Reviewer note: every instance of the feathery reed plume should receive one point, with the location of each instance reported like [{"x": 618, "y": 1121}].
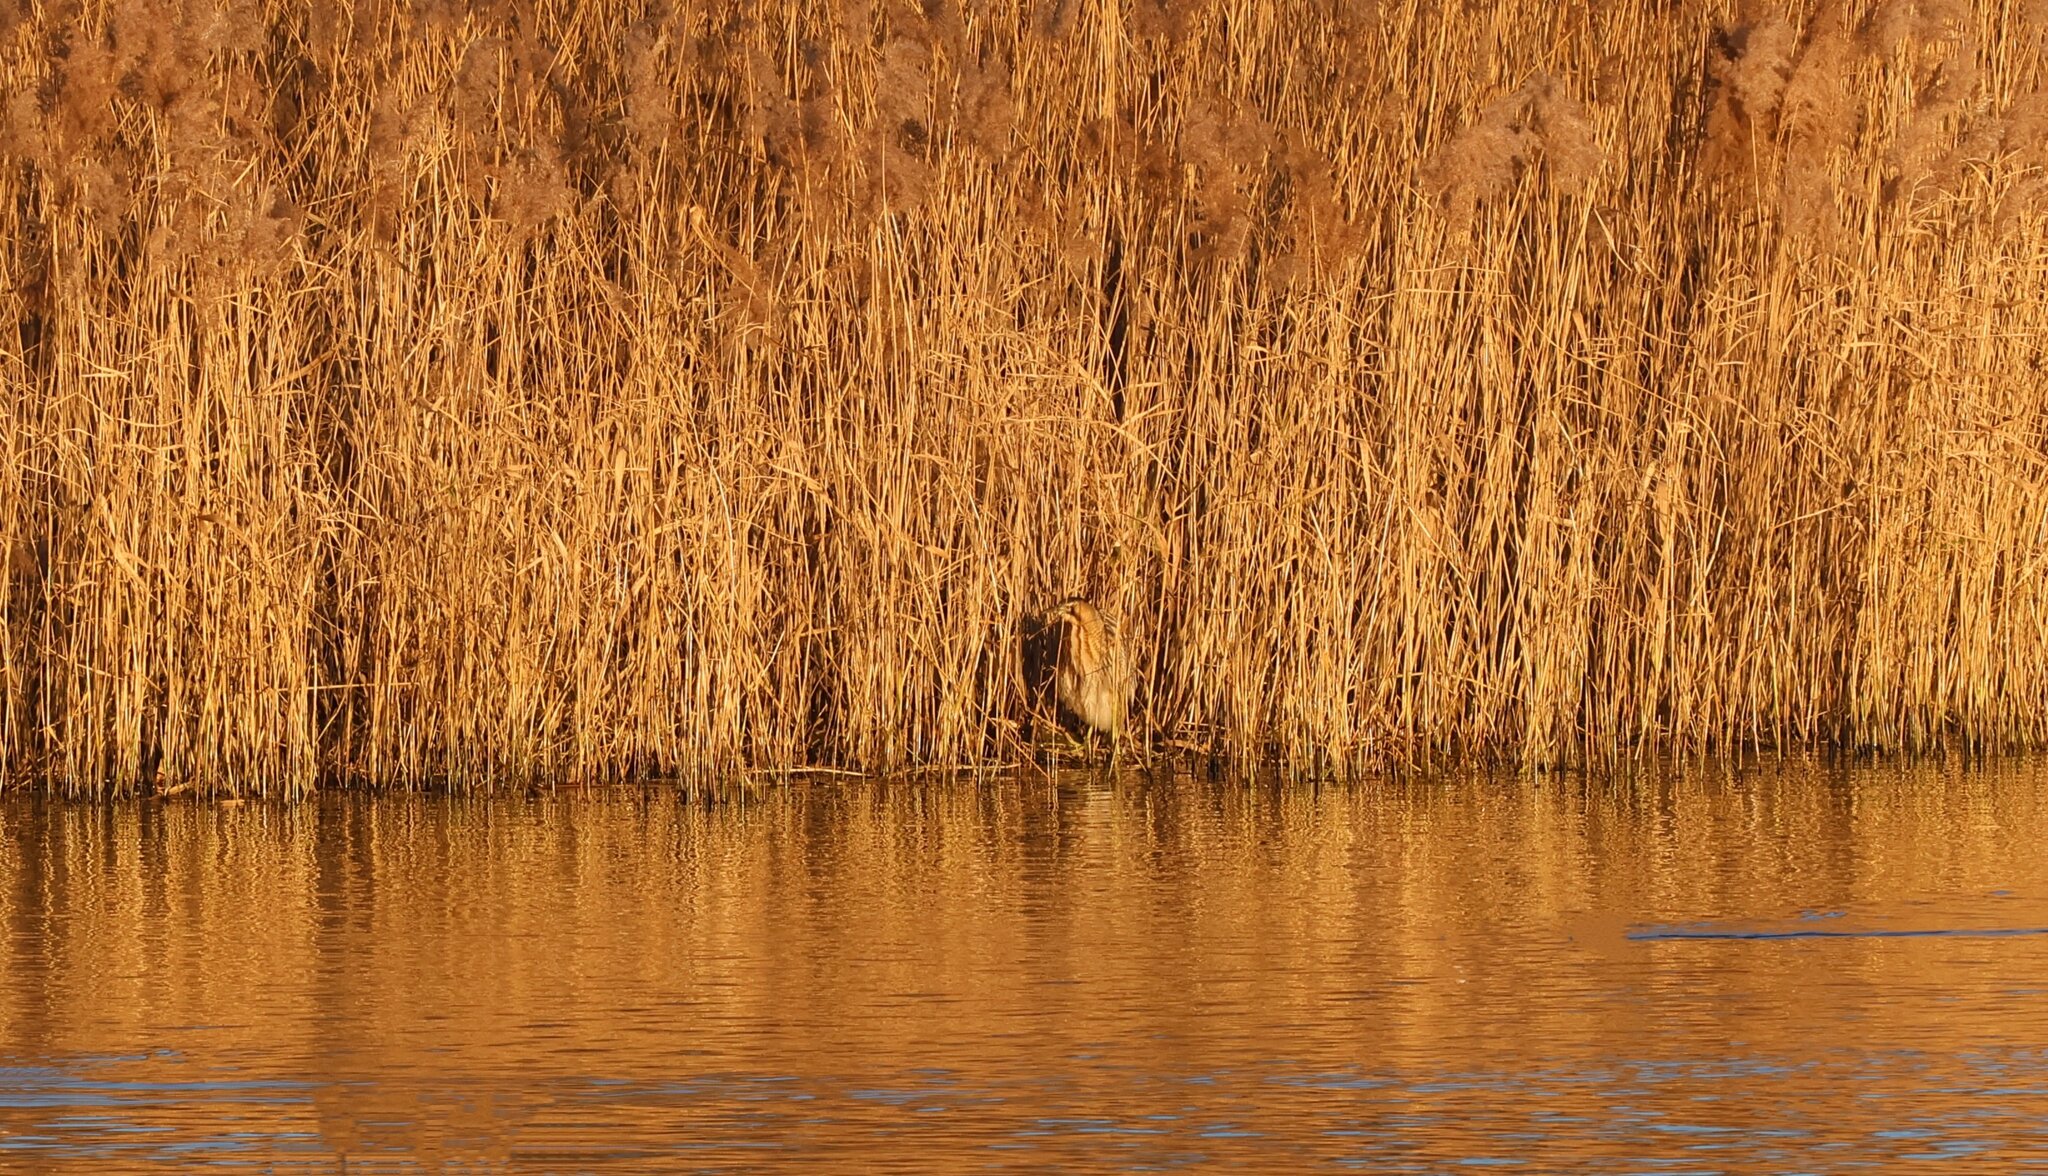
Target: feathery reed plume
[
  {"x": 1932, "y": 146},
  {"x": 1750, "y": 66},
  {"x": 987, "y": 109},
  {"x": 1537, "y": 123},
  {"x": 899, "y": 173},
  {"x": 650, "y": 103},
  {"x": 1814, "y": 119}
]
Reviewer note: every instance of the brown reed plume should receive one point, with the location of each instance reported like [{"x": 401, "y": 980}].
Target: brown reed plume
[{"x": 438, "y": 395}]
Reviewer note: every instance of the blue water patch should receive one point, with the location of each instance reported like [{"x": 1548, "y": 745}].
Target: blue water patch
[
  {"x": 1657, "y": 932},
  {"x": 31, "y": 1087}
]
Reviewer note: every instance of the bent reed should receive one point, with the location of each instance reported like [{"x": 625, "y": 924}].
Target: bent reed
[{"x": 422, "y": 395}]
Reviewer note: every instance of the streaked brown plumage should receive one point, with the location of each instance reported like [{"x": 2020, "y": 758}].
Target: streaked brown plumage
[{"x": 1091, "y": 670}]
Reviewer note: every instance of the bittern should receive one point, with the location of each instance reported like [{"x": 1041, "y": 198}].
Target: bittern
[{"x": 1091, "y": 670}]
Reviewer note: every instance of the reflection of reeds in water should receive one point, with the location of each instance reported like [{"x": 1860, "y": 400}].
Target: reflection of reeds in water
[
  {"x": 1036, "y": 922},
  {"x": 417, "y": 393}
]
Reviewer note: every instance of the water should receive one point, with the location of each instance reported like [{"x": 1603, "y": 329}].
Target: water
[{"x": 1785, "y": 970}]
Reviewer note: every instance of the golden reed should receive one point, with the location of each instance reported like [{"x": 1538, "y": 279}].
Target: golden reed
[{"x": 418, "y": 394}]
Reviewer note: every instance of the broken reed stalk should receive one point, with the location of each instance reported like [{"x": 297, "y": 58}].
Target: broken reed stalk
[{"x": 422, "y": 395}]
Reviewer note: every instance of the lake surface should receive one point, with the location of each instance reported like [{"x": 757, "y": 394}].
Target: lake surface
[{"x": 1782, "y": 969}]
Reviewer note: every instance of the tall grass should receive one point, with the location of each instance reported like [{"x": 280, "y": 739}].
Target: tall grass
[{"x": 572, "y": 391}]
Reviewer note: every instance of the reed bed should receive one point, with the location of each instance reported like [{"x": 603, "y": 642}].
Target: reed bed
[{"x": 440, "y": 395}]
